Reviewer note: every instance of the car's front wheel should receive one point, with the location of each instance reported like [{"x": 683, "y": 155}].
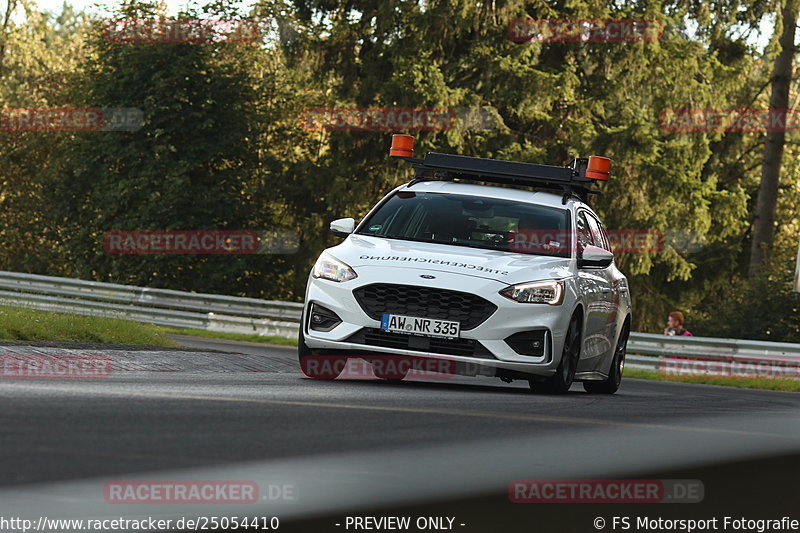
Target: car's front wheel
[
  {"x": 612, "y": 382},
  {"x": 318, "y": 366},
  {"x": 561, "y": 381}
]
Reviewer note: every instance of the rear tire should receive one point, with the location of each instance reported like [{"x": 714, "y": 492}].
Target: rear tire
[
  {"x": 561, "y": 381},
  {"x": 612, "y": 382},
  {"x": 318, "y": 366}
]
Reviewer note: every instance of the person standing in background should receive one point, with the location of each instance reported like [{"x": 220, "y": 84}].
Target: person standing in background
[{"x": 675, "y": 325}]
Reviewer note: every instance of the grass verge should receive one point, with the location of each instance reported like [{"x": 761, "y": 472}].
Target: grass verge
[
  {"x": 264, "y": 339},
  {"x": 20, "y": 324},
  {"x": 786, "y": 385}
]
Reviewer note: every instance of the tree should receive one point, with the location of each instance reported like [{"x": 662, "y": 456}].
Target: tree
[
  {"x": 41, "y": 55},
  {"x": 764, "y": 219},
  {"x": 193, "y": 165},
  {"x": 5, "y": 26},
  {"x": 553, "y": 100}
]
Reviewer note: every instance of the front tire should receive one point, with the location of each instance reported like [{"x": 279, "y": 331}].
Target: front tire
[
  {"x": 561, "y": 381},
  {"x": 318, "y": 366},
  {"x": 612, "y": 382}
]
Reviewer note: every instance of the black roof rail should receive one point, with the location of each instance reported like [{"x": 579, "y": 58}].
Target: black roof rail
[{"x": 571, "y": 180}]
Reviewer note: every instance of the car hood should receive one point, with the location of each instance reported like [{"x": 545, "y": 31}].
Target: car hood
[{"x": 362, "y": 251}]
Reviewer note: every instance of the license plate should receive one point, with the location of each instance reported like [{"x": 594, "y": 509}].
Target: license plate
[{"x": 428, "y": 327}]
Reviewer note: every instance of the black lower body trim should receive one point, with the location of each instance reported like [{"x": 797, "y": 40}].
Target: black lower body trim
[{"x": 462, "y": 347}]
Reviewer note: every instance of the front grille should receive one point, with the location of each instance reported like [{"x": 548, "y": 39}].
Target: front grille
[
  {"x": 424, "y": 302},
  {"x": 377, "y": 337}
]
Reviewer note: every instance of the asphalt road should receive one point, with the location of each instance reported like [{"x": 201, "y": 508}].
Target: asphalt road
[{"x": 352, "y": 445}]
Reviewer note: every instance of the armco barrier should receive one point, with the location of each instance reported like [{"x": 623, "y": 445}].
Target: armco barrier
[
  {"x": 214, "y": 312},
  {"x": 648, "y": 351}
]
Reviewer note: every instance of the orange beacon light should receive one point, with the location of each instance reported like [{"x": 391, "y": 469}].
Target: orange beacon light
[
  {"x": 598, "y": 168},
  {"x": 402, "y": 145}
]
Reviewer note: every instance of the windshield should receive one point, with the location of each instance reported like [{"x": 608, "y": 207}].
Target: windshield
[{"x": 472, "y": 221}]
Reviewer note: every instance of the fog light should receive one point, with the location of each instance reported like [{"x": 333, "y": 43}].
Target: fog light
[
  {"x": 322, "y": 319},
  {"x": 528, "y": 342}
]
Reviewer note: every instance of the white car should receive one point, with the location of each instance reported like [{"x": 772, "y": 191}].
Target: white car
[{"x": 482, "y": 279}]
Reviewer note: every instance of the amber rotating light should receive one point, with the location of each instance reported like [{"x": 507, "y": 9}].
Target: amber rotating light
[
  {"x": 402, "y": 145},
  {"x": 598, "y": 168}
]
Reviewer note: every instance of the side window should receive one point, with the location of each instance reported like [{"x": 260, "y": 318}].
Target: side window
[
  {"x": 598, "y": 233},
  {"x": 605, "y": 237},
  {"x": 584, "y": 232}
]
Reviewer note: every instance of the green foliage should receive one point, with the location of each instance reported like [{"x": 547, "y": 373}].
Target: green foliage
[
  {"x": 555, "y": 101},
  {"x": 194, "y": 164},
  {"x": 763, "y": 307},
  {"x": 222, "y": 146},
  {"x": 38, "y": 68}
]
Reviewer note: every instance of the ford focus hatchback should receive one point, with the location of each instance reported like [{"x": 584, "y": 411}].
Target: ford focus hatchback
[{"x": 452, "y": 277}]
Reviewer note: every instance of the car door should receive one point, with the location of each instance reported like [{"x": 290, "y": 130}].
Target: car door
[
  {"x": 591, "y": 283},
  {"x": 608, "y": 301}
]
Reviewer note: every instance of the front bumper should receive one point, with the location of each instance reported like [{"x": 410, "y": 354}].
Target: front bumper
[{"x": 482, "y": 348}]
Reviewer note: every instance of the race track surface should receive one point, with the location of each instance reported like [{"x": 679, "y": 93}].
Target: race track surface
[{"x": 233, "y": 410}]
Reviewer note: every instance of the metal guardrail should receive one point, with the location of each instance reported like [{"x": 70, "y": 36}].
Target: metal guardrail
[
  {"x": 214, "y": 312},
  {"x": 713, "y": 356},
  {"x": 710, "y": 347}
]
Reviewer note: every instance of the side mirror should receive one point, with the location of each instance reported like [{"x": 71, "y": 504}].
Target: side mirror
[
  {"x": 595, "y": 257},
  {"x": 343, "y": 226}
]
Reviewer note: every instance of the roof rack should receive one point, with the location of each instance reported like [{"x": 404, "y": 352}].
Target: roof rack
[{"x": 574, "y": 179}]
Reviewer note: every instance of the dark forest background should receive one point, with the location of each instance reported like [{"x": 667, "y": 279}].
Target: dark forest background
[{"x": 223, "y": 146}]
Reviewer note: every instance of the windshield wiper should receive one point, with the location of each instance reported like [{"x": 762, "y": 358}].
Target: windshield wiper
[
  {"x": 478, "y": 247},
  {"x": 411, "y": 239}
]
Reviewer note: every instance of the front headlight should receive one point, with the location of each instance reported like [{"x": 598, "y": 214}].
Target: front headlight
[
  {"x": 539, "y": 292},
  {"x": 328, "y": 267}
]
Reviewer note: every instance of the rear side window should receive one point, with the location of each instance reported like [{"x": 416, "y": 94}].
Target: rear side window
[
  {"x": 599, "y": 236},
  {"x": 583, "y": 232}
]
